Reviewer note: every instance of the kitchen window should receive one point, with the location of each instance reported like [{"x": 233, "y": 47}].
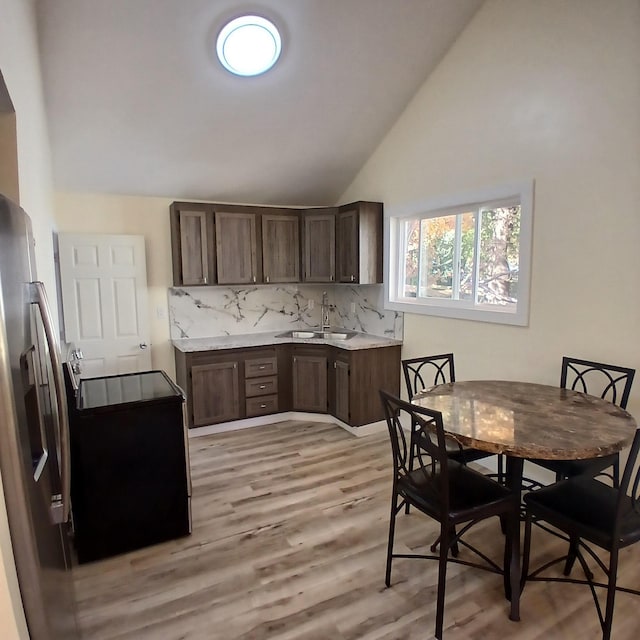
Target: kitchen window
[{"x": 466, "y": 257}]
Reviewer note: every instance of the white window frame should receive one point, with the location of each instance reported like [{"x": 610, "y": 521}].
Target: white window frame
[{"x": 520, "y": 192}]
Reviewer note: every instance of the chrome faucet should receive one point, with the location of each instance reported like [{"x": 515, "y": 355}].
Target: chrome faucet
[{"x": 326, "y": 324}]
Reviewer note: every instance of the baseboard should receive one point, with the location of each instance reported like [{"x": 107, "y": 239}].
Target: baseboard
[{"x": 249, "y": 423}]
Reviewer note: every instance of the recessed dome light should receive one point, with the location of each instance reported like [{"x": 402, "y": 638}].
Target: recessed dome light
[{"x": 248, "y": 46}]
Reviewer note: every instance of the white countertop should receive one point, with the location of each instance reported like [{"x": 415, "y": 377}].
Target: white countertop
[{"x": 268, "y": 338}]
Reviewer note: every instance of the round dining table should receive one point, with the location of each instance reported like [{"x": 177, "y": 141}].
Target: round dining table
[{"x": 527, "y": 420}]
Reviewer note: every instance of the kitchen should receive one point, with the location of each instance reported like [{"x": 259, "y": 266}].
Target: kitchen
[{"x": 566, "y": 86}]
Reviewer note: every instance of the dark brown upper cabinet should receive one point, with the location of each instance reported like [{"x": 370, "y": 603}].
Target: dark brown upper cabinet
[
  {"x": 193, "y": 244},
  {"x": 359, "y": 242},
  {"x": 281, "y": 247},
  {"x": 222, "y": 244},
  {"x": 237, "y": 247},
  {"x": 319, "y": 245}
]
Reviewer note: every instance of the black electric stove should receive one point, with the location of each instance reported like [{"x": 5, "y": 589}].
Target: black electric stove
[{"x": 130, "y": 481}]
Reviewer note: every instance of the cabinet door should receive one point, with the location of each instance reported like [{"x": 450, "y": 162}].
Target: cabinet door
[
  {"x": 310, "y": 383},
  {"x": 281, "y": 248},
  {"x": 347, "y": 223},
  {"x": 319, "y": 247},
  {"x": 359, "y": 241},
  {"x": 214, "y": 389},
  {"x": 341, "y": 381},
  {"x": 192, "y": 244},
  {"x": 236, "y": 247}
]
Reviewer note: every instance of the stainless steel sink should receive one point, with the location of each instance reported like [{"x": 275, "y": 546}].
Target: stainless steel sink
[
  {"x": 317, "y": 335},
  {"x": 338, "y": 335},
  {"x": 299, "y": 334}
]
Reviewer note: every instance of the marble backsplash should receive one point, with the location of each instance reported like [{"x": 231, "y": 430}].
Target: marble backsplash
[{"x": 202, "y": 312}]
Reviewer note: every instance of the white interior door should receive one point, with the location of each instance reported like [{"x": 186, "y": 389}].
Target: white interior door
[{"x": 104, "y": 301}]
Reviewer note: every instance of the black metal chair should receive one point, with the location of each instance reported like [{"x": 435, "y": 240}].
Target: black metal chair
[
  {"x": 607, "y": 381},
  {"x": 447, "y": 491},
  {"x": 427, "y": 371},
  {"x": 587, "y": 510}
]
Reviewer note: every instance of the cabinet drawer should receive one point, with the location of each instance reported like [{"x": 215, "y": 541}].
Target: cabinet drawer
[
  {"x": 261, "y": 406},
  {"x": 260, "y": 386},
  {"x": 257, "y": 367}
]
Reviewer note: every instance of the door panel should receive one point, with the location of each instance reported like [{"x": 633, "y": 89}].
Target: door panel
[
  {"x": 281, "y": 248},
  {"x": 215, "y": 392},
  {"x": 236, "y": 243},
  {"x": 310, "y": 383},
  {"x": 319, "y": 247},
  {"x": 193, "y": 242},
  {"x": 104, "y": 299},
  {"x": 342, "y": 390}
]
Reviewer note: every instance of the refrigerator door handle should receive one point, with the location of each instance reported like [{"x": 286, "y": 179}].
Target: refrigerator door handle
[{"x": 60, "y": 503}]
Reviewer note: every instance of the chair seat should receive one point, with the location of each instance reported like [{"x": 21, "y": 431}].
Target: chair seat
[
  {"x": 570, "y": 468},
  {"x": 585, "y": 507},
  {"x": 468, "y": 491}
]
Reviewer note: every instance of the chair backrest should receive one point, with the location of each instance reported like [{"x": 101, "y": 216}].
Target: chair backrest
[
  {"x": 421, "y": 373},
  {"x": 432, "y": 471},
  {"x": 609, "y": 381},
  {"x": 629, "y": 485}
]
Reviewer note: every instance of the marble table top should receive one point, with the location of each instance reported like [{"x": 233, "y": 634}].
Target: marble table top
[{"x": 529, "y": 420}]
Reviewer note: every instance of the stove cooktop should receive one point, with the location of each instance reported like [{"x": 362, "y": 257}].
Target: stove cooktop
[{"x": 127, "y": 388}]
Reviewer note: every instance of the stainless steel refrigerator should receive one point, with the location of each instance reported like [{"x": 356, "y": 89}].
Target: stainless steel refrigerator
[{"x": 34, "y": 437}]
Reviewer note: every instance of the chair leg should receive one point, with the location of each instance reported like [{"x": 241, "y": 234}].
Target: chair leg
[
  {"x": 442, "y": 578},
  {"x": 411, "y": 456},
  {"x": 611, "y": 594},
  {"x": 526, "y": 551},
  {"x": 392, "y": 530},
  {"x": 571, "y": 555},
  {"x": 501, "y": 476}
]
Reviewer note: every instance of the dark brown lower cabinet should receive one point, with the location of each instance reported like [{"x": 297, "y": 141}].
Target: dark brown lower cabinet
[
  {"x": 309, "y": 373},
  {"x": 341, "y": 390},
  {"x": 230, "y": 384},
  {"x": 369, "y": 371},
  {"x": 214, "y": 391},
  {"x": 227, "y": 385}
]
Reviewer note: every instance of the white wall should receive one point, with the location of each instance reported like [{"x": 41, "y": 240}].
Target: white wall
[
  {"x": 546, "y": 90},
  {"x": 149, "y": 217},
  {"x": 21, "y": 71}
]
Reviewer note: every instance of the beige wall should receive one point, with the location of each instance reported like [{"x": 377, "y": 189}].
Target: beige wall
[
  {"x": 546, "y": 90},
  {"x": 9, "y": 156},
  {"x": 21, "y": 71},
  {"x": 98, "y": 213}
]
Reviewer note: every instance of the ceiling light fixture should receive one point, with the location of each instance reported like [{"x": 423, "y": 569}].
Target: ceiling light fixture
[{"x": 248, "y": 46}]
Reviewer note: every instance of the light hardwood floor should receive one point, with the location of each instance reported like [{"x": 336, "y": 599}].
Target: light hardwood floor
[{"x": 289, "y": 535}]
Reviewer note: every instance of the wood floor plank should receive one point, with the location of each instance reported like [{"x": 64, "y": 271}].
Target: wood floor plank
[{"x": 289, "y": 541}]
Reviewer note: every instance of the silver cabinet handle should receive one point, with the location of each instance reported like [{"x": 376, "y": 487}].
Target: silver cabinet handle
[
  {"x": 262, "y": 386},
  {"x": 263, "y": 406},
  {"x": 59, "y": 502}
]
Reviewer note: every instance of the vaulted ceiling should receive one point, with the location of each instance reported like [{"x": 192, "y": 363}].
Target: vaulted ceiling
[{"x": 138, "y": 104}]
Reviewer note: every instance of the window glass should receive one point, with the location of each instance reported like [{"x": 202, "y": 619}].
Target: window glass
[{"x": 463, "y": 260}]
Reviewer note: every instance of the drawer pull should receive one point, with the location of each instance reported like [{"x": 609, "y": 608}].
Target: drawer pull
[
  {"x": 262, "y": 386},
  {"x": 263, "y": 406},
  {"x": 262, "y": 366}
]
